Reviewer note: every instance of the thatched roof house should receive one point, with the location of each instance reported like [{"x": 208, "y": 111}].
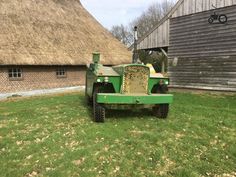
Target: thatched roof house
[{"x": 53, "y": 33}]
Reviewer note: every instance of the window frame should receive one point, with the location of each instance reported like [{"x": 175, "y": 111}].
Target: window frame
[
  {"x": 60, "y": 71},
  {"x": 11, "y": 72}
]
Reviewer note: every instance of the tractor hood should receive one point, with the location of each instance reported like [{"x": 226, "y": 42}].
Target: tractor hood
[{"x": 106, "y": 71}]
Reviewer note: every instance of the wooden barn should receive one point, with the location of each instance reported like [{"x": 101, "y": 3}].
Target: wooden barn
[
  {"x": 205, "y": 52},
  {"x": 47, "y": 44}
]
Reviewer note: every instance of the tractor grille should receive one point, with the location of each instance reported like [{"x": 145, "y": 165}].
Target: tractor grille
[{"x": 135, "y": 79}]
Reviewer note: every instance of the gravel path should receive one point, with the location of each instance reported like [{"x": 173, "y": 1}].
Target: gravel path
[{"x": 40, "y": 92}]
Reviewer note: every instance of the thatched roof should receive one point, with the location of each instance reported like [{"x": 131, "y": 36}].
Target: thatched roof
[{"x": 54, "y": 32}]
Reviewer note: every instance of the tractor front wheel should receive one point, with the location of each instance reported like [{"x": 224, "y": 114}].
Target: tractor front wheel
[
  {"x": 98, "y": 110},
  {"x": 88, "y": 100},
  {"x": 161, "y": 110}
]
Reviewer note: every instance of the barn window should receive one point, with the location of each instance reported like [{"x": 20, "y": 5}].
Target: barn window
[
  {"x": 15, "y": 73},
  {"x": 61, "y": 72}
]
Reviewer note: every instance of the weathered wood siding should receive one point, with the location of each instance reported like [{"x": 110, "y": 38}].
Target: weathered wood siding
[
  {"x": 159, "y": 35},
  {"x": 206, "y": 52},
  {"x": 187, "y": 7},
  {"x": 157, "y": 38}
]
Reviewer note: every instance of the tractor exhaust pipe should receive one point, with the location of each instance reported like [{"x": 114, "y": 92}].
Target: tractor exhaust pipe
[{"x": 135, "y": 51}]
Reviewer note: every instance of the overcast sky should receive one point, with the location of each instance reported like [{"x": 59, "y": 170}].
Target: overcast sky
[{"x": 116, "y": 12}]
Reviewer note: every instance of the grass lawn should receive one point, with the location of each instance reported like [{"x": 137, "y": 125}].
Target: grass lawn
[{"x": 54, "y": 136}]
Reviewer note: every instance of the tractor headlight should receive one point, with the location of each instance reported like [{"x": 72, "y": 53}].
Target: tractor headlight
[
  {"x": 166, "y": 82},
  {"x": 106, "y": 79}
]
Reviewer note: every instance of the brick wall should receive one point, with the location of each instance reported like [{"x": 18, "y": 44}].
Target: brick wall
[{"x": 41, "y": 77}]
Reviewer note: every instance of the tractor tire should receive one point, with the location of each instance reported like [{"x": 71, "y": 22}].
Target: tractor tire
[
  {"x": 88, "y": 100},
  {"x": 160, "y": 89},
  {"x": 223, "y": 19},
  {"x": 210, "y": 20},
  {"x": 98, "y": 110},
  {"x": 163, "y": 89},
  {"x": 161, "y": 111}
]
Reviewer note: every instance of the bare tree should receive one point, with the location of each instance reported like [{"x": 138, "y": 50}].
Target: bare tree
[
  {"x": 152, "y": 16},
  {"x": 122, "y": 34},
  {"x": 145, "y": 22}
]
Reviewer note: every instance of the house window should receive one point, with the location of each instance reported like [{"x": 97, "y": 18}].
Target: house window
[
  {"x": 15, "y": 74},
  {"x": 61, "y": 72}
]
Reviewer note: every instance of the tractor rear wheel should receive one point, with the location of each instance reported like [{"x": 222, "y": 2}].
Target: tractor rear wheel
[
  {"x": 161, "y": 110},
  {"x": 98, "y": 110},
  {"x": 223, "y": 18}
]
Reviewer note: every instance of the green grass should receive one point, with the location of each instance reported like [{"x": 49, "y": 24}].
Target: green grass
[{"x": 54, "y": 136}]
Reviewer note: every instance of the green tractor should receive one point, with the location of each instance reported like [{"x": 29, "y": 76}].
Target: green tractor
[{"x": 130, "y": 86}]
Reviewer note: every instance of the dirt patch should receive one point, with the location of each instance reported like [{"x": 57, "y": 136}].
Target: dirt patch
[
  {"x": 169, "y": 164},
  {"x": 78, "y": 162}
]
